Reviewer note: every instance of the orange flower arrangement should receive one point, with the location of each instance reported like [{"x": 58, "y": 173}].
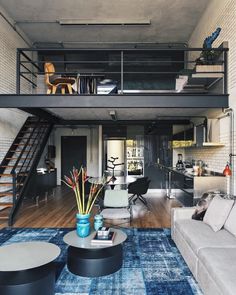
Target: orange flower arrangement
[{"x": 84, "y": 205}]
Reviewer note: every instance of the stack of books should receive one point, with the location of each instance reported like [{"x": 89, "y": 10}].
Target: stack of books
[{"x": 104, "y": 236}]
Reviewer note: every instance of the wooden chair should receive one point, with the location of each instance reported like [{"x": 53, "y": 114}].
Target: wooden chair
[{"x": 52, "y": 84}]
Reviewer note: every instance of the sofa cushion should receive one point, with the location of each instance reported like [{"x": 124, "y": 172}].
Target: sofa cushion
[
  {"x": 230, "y": 224},
  {"x": 218, "y": 212},
  {"x": 218, "y": 262},
  {"x": 199, "y": 235}
]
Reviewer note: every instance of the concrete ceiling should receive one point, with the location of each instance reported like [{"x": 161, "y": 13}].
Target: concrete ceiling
[
  {"x": 171, "y": 21},
  {"x": 132, "y": 113}
]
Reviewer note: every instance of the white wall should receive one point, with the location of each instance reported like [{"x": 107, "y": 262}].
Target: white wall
[
  {"x": 11, "y": 120},
  {"x": 9, "y": 42},
  {"x": 92, "y": 148},
  {"x": 218, "y": 14}
]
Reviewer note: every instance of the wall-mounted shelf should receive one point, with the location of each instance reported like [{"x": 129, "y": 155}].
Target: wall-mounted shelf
[
  {"x": 213, "y": 144},
  {"x": 204, "y": 145}
]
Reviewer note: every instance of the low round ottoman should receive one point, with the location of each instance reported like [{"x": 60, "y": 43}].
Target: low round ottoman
[
  {"x": 27, "y": 268},
  {"x": 88, "y": 260}
]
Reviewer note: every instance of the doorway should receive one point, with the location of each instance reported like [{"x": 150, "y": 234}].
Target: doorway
[{"x": 73, "y": 153}]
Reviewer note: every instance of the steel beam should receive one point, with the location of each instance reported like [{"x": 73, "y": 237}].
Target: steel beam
[{"x": 175, "y": 100}]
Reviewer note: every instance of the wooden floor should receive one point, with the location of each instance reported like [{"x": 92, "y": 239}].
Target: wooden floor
[{"x": 59, "y": 211}]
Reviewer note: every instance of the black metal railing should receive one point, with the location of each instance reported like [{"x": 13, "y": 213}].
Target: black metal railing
[
  {"x": 28, "y": 157},
  {"x": 121, "y": 71}
]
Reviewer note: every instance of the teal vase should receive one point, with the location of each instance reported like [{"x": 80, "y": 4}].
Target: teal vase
[{"x": 82, "y": 225}]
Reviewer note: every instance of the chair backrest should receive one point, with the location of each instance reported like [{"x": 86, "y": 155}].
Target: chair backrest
[
  {"x": 49, "y": 70},
  {"x": 116, "y": 198},
  {"x": 140, "y": 186}
]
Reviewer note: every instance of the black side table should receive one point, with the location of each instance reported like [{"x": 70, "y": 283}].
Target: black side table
[
  {"x": 27, "y": 268},
  {"x": 89, "y": 260}
]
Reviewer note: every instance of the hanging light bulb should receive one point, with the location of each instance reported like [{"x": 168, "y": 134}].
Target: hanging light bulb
[{"x": 227, "y": 171}]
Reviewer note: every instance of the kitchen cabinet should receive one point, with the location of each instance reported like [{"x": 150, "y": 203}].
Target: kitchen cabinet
[{"x": 193, "y": 186}]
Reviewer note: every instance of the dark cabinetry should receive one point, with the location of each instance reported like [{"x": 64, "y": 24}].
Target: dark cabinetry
[{"x": 184, "y": 135}]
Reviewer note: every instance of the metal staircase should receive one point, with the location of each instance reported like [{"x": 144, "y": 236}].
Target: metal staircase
[{"x": 19, "y": 163}]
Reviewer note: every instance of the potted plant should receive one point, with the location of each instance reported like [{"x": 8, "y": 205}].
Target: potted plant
[{"x": 76, "y": 182}]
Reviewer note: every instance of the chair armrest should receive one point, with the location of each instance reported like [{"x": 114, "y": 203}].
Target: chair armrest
[{"x": 180, "y": 213}]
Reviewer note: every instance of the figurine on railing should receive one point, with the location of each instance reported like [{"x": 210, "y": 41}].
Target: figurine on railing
[
  {"x": 209, "y": 56},
  {"x": 114, "y": 165}
]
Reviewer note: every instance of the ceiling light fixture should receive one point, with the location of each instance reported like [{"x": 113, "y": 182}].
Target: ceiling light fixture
[
  {"x": 105, "y": 21},
  {"x": 113, "y": 115}
]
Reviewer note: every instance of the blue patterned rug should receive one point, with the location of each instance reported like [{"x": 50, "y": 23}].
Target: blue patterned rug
[{"x": 152, "y": 264}]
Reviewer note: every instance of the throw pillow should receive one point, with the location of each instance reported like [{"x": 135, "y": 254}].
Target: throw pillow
[
  {"x": 230, "y": 224},
  {"x": 218, "y": 212},
  {"x": 203, "y": 204}
]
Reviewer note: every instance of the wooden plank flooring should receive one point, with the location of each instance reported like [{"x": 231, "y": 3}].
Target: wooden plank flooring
[{"x": 60, "y": 210}]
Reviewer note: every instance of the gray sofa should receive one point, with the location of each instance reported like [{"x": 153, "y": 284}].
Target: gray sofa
[{"x": 211, "y": 256}]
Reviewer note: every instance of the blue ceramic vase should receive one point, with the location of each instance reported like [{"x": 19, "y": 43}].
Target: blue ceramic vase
[
  {"x": 82, "y": 225},
  {"x": 98, "y": 221}
]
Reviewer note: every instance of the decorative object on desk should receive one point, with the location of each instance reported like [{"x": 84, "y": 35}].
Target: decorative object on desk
[
  {"x": 114, "y": 165},
  {"x": 77, "y": 183},
  {"x": 103, "y": 240},
  {"x": 103, "y": 231},
  {"x": 83, "y": 225},
  {"x": 98, "y": 222},
  {"x": 209, "y": 56},
  {"x": 180, "y": 164},
  {"x": 227, "y": 171}
]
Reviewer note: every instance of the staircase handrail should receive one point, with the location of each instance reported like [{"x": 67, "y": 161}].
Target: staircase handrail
[{"x": 24, "y": 147}]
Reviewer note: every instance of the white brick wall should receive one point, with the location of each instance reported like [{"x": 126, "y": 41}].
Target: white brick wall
[
  {"x": 11, "y": 120},
  {"x": 218, "y": 14},
  {"x": 9, "y": 127},
  {"x": 9, "y": 42}
]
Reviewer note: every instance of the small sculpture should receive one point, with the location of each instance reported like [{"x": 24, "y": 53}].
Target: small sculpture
[
  {"x": 209, "y": 56},
  {"x": 112, "y": 161}
]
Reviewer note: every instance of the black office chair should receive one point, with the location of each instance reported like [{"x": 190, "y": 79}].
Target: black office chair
[{"x": 139, "y": 188}]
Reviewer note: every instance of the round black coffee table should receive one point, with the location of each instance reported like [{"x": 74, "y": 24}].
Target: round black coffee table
[
  {"x": 88, "y": 260},
  {"x": 27, "y": 268}
]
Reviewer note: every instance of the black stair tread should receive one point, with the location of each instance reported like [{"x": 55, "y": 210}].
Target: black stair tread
[
  {"x": 31, "y": 132},
  {"x": 3, "y": 194},
  {"x": 17, "y": 158},
  {"x": 19, "y": 152},
  {"x": 9, "y": 183},
  {"x": 36, "y": 125},
  {"x": 4, "y": 217},
  {"x": 26, "y": 137},
  {"x": 8, "y": 204},
  {"x": 6, "y": 166},
  {"x": 28, "y": 144}
]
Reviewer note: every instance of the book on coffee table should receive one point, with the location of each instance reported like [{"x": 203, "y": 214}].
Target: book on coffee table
[{"x": 103, "y": 240}]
